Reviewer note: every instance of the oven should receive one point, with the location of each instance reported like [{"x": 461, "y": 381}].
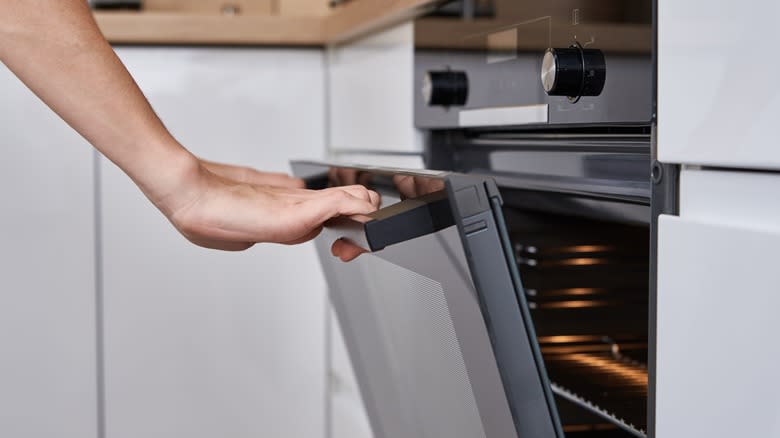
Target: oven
[
  {"x": 493, "y": 304},
  {"x": 509, "y": 291},
  {"x": 579, "y": 211}
]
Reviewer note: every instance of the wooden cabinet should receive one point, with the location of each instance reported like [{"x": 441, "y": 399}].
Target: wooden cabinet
[
  {"x": 243, "y": 7},
  {"x": 252, "y": 7},
  {"x": 48, "y": 380}
]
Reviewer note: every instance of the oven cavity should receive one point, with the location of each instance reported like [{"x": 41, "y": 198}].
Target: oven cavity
[{"x": 586, "y": 284}]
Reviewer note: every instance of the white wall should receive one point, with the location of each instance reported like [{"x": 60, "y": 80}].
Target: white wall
[
  {"x": 202, "y": 343},
  {"x": 47, "y": 276}
]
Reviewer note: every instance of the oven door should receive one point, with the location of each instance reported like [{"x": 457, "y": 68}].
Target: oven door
[{"x": 433, "y": 314}]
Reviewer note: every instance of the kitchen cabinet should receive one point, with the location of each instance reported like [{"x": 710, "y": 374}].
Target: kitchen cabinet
[
  {"x": 313, "y": 23},
  {"x": 717, "y": 325},
  {"x": 371, "y": 107},
  {"x": 717, "y": 277},
  {"x": 709, "y": 111},
  {"x": 201, "y": 343},
  {"x": 717, "y": 299},
  {"x": 48, "y": 383}
]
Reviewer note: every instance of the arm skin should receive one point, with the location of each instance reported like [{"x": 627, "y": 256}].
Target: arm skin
[{"x": 57, "y": 50}]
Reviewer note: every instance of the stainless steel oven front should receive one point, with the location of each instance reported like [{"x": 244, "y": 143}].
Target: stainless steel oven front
[{"x": 488, "y": 63}]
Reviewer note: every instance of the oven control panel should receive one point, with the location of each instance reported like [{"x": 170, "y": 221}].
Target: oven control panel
[{"x": 517, "y": 63}]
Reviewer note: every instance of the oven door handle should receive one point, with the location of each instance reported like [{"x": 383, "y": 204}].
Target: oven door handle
[{"x": 397, "y": 223}]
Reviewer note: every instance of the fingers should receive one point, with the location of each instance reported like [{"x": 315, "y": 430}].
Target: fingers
[
  {"x": 311, "y": 235},
  {"x": 344, "y": 203},
  {"x": 346, "y": 250},
  {"x": 360, "y": 192},
  {"x": 232, "y": 216},
  {"x": 375, "y": 198}
]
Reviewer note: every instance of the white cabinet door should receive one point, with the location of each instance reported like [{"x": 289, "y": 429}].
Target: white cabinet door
[
  {"x": 201, "y": 343},
  {"x": 717, "y": 74},
  {"x": 371, "y": 106},
  {"x": 718, "y": 353},
  {"x": 47, "y": 272},
  {"x": 718, "y": 295}
]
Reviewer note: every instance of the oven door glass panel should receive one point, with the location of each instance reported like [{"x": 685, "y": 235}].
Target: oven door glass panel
[{"x": 436, "y": 328}]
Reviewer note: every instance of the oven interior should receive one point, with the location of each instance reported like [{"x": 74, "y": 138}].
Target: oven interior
[
  {"x": 586, "y": 284},
  {"x": 577, "y": 208}
]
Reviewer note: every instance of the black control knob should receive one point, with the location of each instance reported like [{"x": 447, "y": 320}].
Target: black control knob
[
  {"x": 445, "y": 88},
  {"x": 573, "y": 72}
]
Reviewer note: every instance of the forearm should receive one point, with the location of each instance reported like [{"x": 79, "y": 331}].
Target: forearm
[{"x": 56, "y": 49}]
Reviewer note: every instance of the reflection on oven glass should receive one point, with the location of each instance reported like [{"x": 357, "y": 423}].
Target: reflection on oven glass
[
  {"x": 400, "y": 185},
  {"x": 537, "y": 25}
]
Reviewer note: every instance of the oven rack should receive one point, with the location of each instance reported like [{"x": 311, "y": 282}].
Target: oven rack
[{"x": 597, "y": 410}]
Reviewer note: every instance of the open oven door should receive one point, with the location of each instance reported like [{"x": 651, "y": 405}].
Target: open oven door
[{"x": 434, "y": 316}]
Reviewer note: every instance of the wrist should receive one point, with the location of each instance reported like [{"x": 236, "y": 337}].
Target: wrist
[{"x": 171, "y": 178}]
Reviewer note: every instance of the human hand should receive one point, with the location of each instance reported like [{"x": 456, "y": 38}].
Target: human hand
[
  {"x": 217, "y": 212},
  {"x": 242, "y": 174},
  {"x": 339, "y": 177},
  {"x": 346, "y": 250},
  {"x": 408, "y": 187}
]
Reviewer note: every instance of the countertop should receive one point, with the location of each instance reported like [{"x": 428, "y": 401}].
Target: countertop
[{"x": 352, "y": 20}]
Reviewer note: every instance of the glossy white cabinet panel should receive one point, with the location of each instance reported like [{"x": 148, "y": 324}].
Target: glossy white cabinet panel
[
  {"x": 741, "y": 199},
  {"x": 371, "y": 106},
  {"x": 717, "y": 74},
  {"x": 718, "y": 355},
  {"x": 47, "y": 272},
  {"x": 202, "y": 343}
]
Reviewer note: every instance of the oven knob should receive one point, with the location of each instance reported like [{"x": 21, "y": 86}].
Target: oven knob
[
  {"x": 573, "y": 72},
  {"x": 445, "y": 88}
]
